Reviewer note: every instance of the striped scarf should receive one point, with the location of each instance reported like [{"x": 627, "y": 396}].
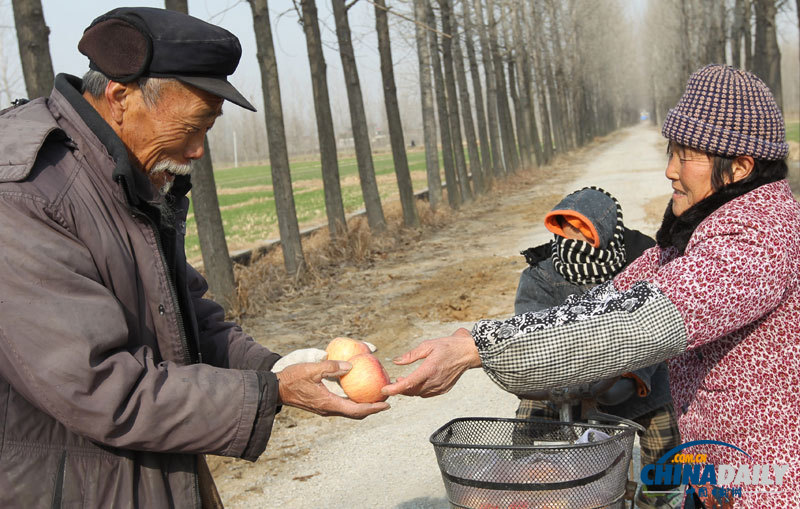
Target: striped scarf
[{"x": 581, "y": 263}]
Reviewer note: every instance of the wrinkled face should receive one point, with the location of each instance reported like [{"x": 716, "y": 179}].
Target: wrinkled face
[
  {"x": 164, "y": 138},
  {"x": 690, "y": 173}
]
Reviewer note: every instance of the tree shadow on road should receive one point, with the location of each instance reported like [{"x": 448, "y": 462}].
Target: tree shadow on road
[{"x": 424, "y": 503}]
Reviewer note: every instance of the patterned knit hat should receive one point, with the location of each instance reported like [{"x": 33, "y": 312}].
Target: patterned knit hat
[{"x": 729, "y": 112}]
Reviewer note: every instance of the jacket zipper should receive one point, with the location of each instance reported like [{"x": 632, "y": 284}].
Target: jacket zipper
[
  {"x": 176, "y": 305},
  {"x": 59, "y": 487},
  {"x": 172, "y": 290},
  {"x": 173, "y": 293},
  {"x": 181, "y": 329}
]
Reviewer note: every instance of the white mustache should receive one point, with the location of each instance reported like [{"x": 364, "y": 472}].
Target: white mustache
[{"x": 171, "y": 167}]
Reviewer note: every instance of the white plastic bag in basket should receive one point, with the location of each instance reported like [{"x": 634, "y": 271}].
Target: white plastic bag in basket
[{"x": 592, "y": 435}]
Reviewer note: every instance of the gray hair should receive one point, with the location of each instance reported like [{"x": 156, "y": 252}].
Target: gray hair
[{"x": 96, "y": 82}]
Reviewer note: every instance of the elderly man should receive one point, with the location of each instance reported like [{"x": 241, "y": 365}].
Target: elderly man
[{"x": 115, "y": 374}]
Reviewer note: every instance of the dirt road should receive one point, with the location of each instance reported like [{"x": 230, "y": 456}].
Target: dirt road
[{"x": 449, "y": 278}]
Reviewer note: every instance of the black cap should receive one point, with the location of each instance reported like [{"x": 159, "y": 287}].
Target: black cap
[{"x": 131, "y": 42}]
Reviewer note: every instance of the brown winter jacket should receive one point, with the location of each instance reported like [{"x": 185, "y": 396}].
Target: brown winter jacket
[{"x": 114, "y": 372}]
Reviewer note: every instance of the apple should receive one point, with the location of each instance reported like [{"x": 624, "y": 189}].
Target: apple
[
  {"x": 519, "y": 504},
  {"x": 363, "y": 383},
  {"x": 341, "y": 349}
]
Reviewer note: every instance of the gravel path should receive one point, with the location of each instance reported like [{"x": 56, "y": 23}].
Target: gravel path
[{"x": 386, "y": 460}]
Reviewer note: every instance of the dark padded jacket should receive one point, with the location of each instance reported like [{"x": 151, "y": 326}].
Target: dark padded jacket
[
  {"x": 541, "y": 287},
  {"x": 115, "y": 373}
]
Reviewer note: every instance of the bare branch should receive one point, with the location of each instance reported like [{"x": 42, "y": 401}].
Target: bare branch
[
  {"x": 403, "y": 16},
  {"x": 223, "y": 11},
  {"x": 296, "y": 10}
]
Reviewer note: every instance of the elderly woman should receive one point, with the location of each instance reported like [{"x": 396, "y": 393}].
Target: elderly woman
[{"x": 719, "y": 295}]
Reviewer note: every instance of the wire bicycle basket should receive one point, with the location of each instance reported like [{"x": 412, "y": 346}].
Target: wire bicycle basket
[{"x": 494, "y": 463}]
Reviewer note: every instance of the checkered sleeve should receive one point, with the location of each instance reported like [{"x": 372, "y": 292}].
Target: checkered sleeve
[{"x": 600, "y": 334}]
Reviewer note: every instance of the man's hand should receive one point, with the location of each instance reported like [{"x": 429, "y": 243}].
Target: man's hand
[
  {"x": 446, "y": 359},
  {"x": 300, "y": 385}
]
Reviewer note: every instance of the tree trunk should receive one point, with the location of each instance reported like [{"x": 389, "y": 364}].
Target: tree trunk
[
  {"x": 721, "y": 38},
  {"x": 748, "y": 35},
  {"x": 578, "y": 85},
  {"x": 428, "y": 114},
  {"x": 556, "y": 115},
  {"x": 737, "y": 33},
  {"x": 686, "y": 40},
  {"x": 452, "y": 101},
  {"x": 453, "y": 194},
  {"x": 293, "y": 258},
  {"x": 523, "y": 138},
  {"x": 524, "y": 78},
  {"x": 561, "y": 86},
  {"x": 519, "y": 117},
  {"x": 366, "y": 169},
  {"x": 334, "y": 206},
  {"x": 491, "y": 93},
  {"x": 177, "y": 5},
  {"x": 410, "y": 216},
  {"x": 210, "y": 231},
  {"x": 503, "y": 113},
  {"x": 585, "y": 125},
  {"x": 34, "y": 50},
  {"x": 480, "y": 114},
  {"x": 767, "y": 55},
  {"x": 536, "y": 57},
  {"x": 466, "y": 113}
]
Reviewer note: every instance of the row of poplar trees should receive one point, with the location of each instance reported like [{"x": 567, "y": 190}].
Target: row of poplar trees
[
  {"x": 683, "y": 35},
  {"x": 516, "y": 82}
]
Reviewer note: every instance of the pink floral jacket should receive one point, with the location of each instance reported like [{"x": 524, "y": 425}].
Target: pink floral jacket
[{"x": 737, "y": 287}]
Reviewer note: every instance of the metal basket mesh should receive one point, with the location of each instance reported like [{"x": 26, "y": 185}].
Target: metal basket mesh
[{"x": 489, "y": 463}]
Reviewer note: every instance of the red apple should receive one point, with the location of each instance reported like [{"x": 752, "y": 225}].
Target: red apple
[
  {"x": 341, "y": 349},
  {"x": 363, "y": 383}
]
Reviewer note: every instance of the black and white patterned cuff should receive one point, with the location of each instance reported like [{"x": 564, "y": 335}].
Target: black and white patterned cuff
[{"x": 599, "y": 334}]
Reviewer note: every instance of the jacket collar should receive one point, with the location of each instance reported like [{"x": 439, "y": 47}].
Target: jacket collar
[
  {"x": 677, "y": 231},
  {"x": 137, "y": 187}
]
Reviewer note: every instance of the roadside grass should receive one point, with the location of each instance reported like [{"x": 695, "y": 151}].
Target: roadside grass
[
  {"x": 247, "y": 201},
  {"x": 793, "y": 131}
]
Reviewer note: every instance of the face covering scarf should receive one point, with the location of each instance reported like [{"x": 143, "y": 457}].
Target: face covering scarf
[{"x": 580, "y": 263}]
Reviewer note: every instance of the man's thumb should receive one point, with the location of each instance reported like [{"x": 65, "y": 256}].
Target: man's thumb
[{"x": 331, "y": 369}]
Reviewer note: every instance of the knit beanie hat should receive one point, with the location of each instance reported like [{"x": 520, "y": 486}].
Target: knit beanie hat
[{"x": 729, "y": 112}]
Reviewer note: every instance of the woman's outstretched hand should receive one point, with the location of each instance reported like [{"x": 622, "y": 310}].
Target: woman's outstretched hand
[{"x": 445, "y": 360}]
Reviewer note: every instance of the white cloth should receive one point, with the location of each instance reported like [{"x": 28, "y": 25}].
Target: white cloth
[{"x": 298, "y": 357}]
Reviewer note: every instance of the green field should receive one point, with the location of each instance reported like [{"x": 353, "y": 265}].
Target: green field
[
  {"x": 248, "y": 207},
  {"x": 793, "y": 131}
]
